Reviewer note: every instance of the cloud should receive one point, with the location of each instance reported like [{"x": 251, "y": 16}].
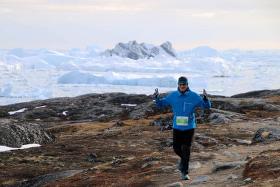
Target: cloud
[
  {"x": 99, "y": 8},
  {"x": 76, "y": 23},
  {"x": 204, "y": 15},
  {"x": 5, "y": 10}
]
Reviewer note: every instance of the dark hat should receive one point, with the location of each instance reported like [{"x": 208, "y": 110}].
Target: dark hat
[{"x": 182, "y": 80}]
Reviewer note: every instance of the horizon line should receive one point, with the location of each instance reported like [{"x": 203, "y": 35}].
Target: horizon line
[{"x": 173, "y": 46}]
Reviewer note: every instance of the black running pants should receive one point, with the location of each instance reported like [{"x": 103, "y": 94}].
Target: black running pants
[{"x": 182, "y": 141}]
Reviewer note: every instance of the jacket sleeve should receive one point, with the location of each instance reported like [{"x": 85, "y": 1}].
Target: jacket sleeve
[
  {"x": 164, "y": 102},
  {"x": 204, "y": 103}
]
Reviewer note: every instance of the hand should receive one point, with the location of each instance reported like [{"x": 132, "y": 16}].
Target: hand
[
  {"x": 205, "y": 95},
  {"x": 156, "y": 94}
]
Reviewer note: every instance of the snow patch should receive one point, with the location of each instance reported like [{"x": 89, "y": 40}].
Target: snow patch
[
  {"x": 17, "y": 111},
  {"x": 6, "y": 148},
  {"x": 41, "y": 106},
  {"x": 129, "y": 105}
]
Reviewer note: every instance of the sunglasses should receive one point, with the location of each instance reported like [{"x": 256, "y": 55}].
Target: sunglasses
[{"x": 182, "y": 84}]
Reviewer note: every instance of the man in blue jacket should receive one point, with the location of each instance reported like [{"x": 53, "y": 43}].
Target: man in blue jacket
[{"x": 183, "y": 103}]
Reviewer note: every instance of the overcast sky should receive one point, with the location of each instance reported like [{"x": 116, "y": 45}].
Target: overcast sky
[{"x": 63, "y": 24}]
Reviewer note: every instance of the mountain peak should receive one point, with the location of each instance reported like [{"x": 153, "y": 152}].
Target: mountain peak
[
  {"x": 167, "y": 46},
  {"x": 135, "y": 50}
]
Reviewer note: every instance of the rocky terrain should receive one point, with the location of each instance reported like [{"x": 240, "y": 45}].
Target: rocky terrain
[{"x": 116, "y": 139}]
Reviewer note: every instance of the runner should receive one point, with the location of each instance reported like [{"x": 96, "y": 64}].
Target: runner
[{"x": 183, "y": 103}]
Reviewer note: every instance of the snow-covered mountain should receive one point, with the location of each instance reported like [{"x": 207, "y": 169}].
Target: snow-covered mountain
[
  {"x": 28, "y": 74},
  {"x": 135, "y": 51},
  {"x": 200, "y": 52}
]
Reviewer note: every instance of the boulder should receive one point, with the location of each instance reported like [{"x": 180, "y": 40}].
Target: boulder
[
  {"x": 16, "y": 134},
  {"x": 205, "y": 140},
  {"x": 217, "y": 118},
  {"x": 266, "y": 134},
  {"x": 218, "y": 166},
  {"x": 48, "y": 178}
]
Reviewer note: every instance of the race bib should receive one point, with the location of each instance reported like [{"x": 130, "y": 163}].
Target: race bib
[{"x": 182, "y": 120}]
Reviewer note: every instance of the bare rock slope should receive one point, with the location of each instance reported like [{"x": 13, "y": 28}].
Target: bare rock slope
[{"x": 118, "y": 139}]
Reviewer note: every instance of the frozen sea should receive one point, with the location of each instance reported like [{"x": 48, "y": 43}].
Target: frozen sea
[{"x": 52, "y": 74}]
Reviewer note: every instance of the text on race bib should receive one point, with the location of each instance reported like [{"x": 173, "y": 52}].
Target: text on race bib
[{"x": 182, "y": 120}]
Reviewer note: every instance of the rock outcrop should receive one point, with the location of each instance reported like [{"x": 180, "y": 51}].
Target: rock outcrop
[
  {"x": 117, "y": 139},
  {"x": 256, "y": 94},
  {"x": 104, "y": 107},
  {"x": 264, "y": 166},
  {"x": 266, "y": 134},
  {"x": 241, "y": 105},
  {"x": 92, "y": 107},
  {"x": 15, "y": 134},
  {"x": 45, "y": 179}
]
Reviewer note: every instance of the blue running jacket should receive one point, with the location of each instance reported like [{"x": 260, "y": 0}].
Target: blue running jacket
[{"x": 183, "y": 107}]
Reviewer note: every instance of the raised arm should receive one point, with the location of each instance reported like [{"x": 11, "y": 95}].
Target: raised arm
[
  {"x": 204, "y": 102},
  {"x": 164, "y": 102}
]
